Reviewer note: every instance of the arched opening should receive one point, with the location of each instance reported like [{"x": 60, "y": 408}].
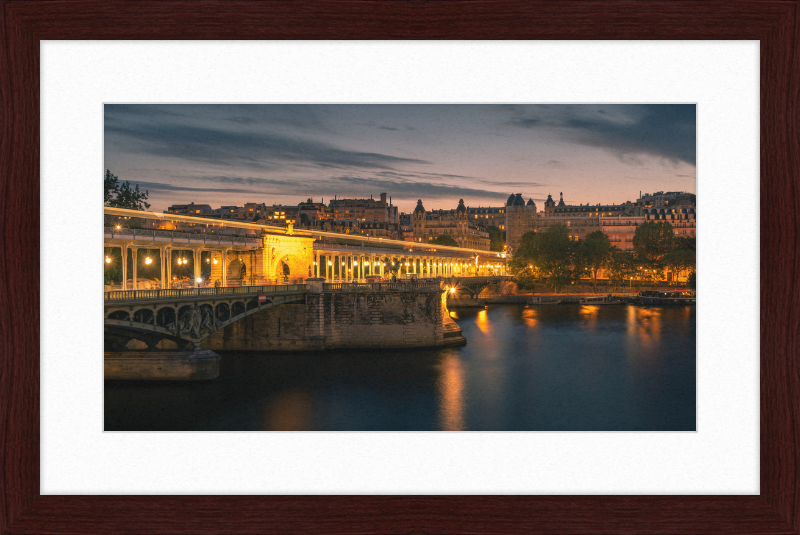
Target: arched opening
[
  {"x": 144, "y": 315},
  {"x": 237, "y": 308},
  {"x": 223, "y": 312},
  {"x": 290, "y": 269},
  {"x": 237, "y": 272},
  {"x": 252, "y": 304},
  {"x": 119, "y": 315},
  {"x": 165, "y": 317}
]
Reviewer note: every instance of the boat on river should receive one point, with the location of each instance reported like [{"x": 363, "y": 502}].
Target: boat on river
[
  {"x": 603, "y": 300},
  {"x": 670, "y": 297},
  {"x": 543, "y": 301}
]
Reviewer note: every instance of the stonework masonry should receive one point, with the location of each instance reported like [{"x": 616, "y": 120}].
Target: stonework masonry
[{"x": 337, "y": 320}]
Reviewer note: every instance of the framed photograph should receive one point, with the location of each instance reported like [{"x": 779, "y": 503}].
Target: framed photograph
[{"x": 699, "y": 472}]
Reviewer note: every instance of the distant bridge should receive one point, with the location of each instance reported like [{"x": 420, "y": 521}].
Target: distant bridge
[{"x": 248, "y": 254}]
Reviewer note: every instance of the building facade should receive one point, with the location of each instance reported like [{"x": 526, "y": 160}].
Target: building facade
[{"x": 454, "y": 223}]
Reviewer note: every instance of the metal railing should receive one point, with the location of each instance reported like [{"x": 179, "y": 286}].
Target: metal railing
[
  {"x": 228, "y": 291},
  {"x": 408, "y": 285},
  {"x": 385, "y": 251},
  {"x": 187, "y": 237}
]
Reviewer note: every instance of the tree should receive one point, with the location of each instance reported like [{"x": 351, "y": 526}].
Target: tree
[
  {"x": 622, "y": 268},
  {"x": 686, "y": 242},
  {"x": 595, "y": 251},
  {"x": 121, "y": 195},
  {"x": 497, "y": 237},
  {"x": 679, "y": 260},
  {"x": 444, "y": 239},
  {"x": 653, "y": 241},
  {"x": 552, "y": 255}
]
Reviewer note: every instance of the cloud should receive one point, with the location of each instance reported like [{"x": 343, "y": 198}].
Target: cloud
[
  {"x": 259, "y": 150},
  {"x": 156, "y": 186},
  {"x": 666, "y": 131},
  {"x": 407, "y": 189}
]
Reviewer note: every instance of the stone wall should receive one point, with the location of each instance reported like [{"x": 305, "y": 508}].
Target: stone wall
[{"x": 335, "y": 320}]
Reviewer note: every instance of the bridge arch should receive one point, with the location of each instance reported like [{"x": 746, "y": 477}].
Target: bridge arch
[
  {"x": 237, "y": 270},
  {"x": 223, "y": 311},
  {"x": 119, "y": 315},
  {"x": 143, "y": 315},
  {"x": 165, "y": 316}
]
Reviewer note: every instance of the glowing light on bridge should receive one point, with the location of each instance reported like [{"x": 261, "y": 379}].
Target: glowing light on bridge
[
  {"x": 108, "y": 260},
  {"x": 199, "y": 280},
  {"x": 148, "y": 260}
]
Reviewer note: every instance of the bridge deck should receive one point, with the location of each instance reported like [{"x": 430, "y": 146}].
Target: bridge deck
[
  {"x": 402, "y": 285},
  {"x": 193, "y": 293}
]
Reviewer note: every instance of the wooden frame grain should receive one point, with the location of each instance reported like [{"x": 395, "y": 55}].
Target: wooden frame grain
[{"x": 774, "y": 23}]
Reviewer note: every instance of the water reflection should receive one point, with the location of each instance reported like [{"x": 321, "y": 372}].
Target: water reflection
[
  {"x": 451, "y": 394},
  {"x": 647, "y": 325},
  {"x": 522, "y": 369},
  {"x": 589, "y": 314},
  {"x": 289, "y": 411},
  {"x": 529, "y": 317},
  {"x": 482, "y": 321}
]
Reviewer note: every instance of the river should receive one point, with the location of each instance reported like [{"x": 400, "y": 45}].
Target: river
[{"x": 545, "y": 368}]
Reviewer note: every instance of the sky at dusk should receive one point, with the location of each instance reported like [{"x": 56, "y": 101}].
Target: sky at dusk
[{"x": 284, "y": 154}]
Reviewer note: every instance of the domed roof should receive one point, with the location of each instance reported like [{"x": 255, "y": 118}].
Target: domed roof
[
  {"x": 419, "y": 207},
  {"x": 461, "y": 207},
  {"x": 530, "y": 202},
  {"x": 518, "y": 200},
  {"x": 510, "y": 200}
]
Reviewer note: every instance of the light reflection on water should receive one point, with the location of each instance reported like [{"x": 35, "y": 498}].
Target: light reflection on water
[
  {"x": 559, "y": 367},
  {"x": 451, "y": 394}
]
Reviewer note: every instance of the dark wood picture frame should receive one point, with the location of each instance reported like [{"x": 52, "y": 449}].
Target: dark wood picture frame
[{"x": 774, "y": 23}]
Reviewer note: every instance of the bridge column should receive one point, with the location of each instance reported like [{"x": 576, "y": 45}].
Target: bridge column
[
  {"x": 196, "y": 265},
  {"x": 162, "y": 255},
  {"x": 125, "y": 267},
  {"x": 135, "y": 260}
]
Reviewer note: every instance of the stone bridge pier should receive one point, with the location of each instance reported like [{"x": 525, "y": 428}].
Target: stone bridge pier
[{"x": 406, "y": 314}]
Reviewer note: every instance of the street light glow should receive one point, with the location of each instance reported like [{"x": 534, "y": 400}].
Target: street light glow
[
  {"x": 199, "y": 280},
  {"x": 108, "y": 260},
  {"x": 148, "y": 260}
]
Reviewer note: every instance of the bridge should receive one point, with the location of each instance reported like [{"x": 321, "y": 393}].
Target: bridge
[
  {"x": 166, "y": 248},
  {"x": 177, "y": 284},
  {"x": 184, "y": 319}
]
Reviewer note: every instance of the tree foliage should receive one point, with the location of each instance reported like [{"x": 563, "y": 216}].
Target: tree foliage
[
  {"x": 595, "y": 253},
  {"x": 550, "y": 256},
  {"x": 497, "y": 237},
  {"x": 653, "y": 241},
  {"x": 120, "y": 194},
  {"x": 444, "y": 239},
  {"x": 622, "y": 268}
]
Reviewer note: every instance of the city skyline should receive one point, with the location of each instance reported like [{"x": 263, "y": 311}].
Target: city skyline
[{"x": 284, "y": 154}]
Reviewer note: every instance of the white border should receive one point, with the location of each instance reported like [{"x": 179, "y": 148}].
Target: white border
[{"x": 721, "y": 457}]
